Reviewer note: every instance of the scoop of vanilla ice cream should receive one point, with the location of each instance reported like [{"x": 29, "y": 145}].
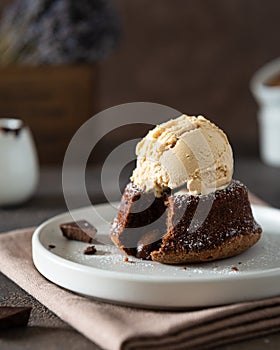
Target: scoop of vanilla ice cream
[{"x": 187, "y": 152}]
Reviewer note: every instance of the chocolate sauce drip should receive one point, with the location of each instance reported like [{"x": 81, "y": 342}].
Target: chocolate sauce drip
[{"x": 15, "y": 131}]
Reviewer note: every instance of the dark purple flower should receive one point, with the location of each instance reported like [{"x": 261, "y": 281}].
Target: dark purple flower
[{"x": 59, "y": 31}]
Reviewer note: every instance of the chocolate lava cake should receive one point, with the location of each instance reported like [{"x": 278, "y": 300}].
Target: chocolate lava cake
[{"x": 185, "y": 228}]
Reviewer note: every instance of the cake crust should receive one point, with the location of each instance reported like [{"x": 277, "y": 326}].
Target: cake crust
[{"x": 232, "y": 247}]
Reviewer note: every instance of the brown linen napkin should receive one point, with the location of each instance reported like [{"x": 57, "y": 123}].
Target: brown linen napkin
[{"x": 117, "y": 327}]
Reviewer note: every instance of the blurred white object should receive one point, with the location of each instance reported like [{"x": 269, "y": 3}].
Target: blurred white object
[
  {"x": 268, "y": 97},
  {"x": 18, "y": 162}
]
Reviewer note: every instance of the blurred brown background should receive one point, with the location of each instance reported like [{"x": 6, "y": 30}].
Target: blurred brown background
[{"x": 196, "y": 56}]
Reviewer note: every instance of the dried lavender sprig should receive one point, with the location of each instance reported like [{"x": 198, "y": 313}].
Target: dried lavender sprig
[{"x": 58, "y": 31}]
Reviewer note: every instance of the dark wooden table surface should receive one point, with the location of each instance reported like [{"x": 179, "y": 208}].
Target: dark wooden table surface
[{"x": 47, "y": 331}]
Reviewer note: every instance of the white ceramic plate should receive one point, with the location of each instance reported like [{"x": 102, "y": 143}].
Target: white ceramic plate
[{"x": 252, "y": 275}]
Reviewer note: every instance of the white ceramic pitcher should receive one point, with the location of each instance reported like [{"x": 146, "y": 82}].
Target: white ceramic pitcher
[
  {"x": 19, "y": 169},
  {"x": 268, "y": 98}
]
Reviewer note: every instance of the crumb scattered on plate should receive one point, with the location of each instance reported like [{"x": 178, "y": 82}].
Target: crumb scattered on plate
[{"x": 91, "y": 250}]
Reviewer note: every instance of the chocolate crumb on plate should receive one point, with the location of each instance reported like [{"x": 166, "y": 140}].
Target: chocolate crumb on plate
[
  {"x": 51, "y": 246},
  {"x": 125, "y": 259},
  {"x": 11, "y": 317},
  {"x": 91, "y": 250},
  {"x": 234, "y": 268},
  {"x": 79, "y": 231}
]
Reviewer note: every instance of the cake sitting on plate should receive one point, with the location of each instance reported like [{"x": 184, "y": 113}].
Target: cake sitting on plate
[{"x": 182, "y": 205}]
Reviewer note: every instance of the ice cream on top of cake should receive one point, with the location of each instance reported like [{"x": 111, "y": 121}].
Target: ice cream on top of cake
[{"x": 187, "y": 153}]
